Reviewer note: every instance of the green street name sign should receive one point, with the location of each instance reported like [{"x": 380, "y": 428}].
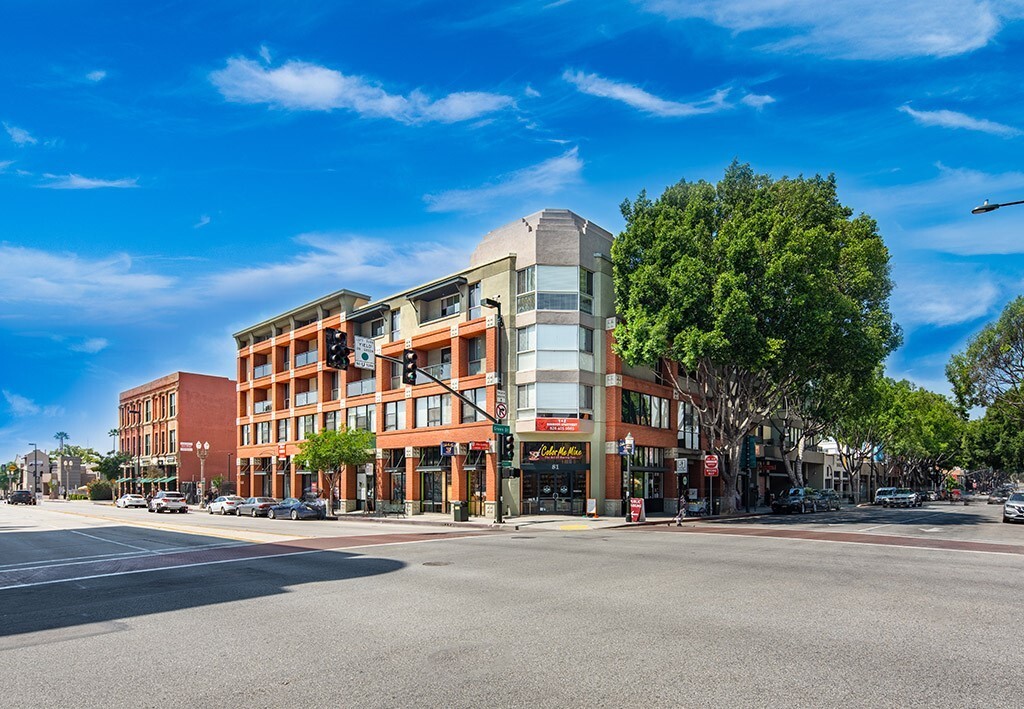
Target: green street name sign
[
  {"x": 500, "y": 428},
  {"x": 506, "y": 463}
]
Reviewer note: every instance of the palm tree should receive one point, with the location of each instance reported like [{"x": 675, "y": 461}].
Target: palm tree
[
  {"x": 114, "y": 433},
  {"x": 61, "y": 436}
]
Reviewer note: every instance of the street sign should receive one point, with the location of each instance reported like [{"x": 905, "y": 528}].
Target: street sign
[
  {"x": 711, "y": 466},
  {"x": 363, "y": 353},
  {"x": 280, "y": 452},
  {"x": 682, "y": 466},
  {"x": 500, "y": 410},
  {"x": 505, "y": 463},
  {"x": 500, "y": 428},
  {"x": 502, "y": 397},
  {"x": 185, "y": 446}
]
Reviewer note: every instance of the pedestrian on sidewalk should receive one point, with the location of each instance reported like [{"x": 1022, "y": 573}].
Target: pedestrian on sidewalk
[{"x": 682, "y": 509}]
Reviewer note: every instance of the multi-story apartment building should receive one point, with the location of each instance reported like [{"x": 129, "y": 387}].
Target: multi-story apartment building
[
  {"x": 161, "y": 421},
  {"x": 569, "y": 398}
]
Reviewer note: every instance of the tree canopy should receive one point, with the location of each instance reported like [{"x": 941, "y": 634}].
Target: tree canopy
[{"x": 991, "y": 367}]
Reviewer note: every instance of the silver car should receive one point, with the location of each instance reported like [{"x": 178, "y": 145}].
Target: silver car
[
  {"x": 904, "y": 497},
  {"x": 883, "y": 496},
  {"x": 168, "y": 501},
  {"x": 225, "y": 505},
  {"x": 1013, "y": 509}
]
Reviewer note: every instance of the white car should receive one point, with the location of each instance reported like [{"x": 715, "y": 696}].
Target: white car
[
  {"x": 131, "y": 500},
  {"x": 1013, "y": 509},
  {"x": 168, "y": 501},
  {"x": 884, "y": 495},
  {"x": 225, "y": 505}
]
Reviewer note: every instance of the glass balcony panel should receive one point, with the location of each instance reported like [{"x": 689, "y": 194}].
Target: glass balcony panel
[
  {"x": 442, "y": 371},
  {"x": 263, "y": 370},
  {"x": 363, "y": 386},
  {"x": 305, "y": 398},
  {"x": 305, "y": 358},
  {"x": 262, "y": 407}
]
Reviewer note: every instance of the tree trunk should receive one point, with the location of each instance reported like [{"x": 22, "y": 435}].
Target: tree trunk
[{"x": 730, "y": 474}]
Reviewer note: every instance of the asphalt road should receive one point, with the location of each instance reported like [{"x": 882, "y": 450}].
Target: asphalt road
[{"x": 95, "y": 611}]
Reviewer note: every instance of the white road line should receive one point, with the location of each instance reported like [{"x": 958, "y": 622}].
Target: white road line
[
  {"x": 128, "y": 556},
  {"x": 113, "y": 556},
  {"x": 109, "y": 541}
]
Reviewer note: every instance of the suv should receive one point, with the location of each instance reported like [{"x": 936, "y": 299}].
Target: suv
[
  {"x": 884, "y": 495},
  {"x": 829, "y": 499},
  {"x": 797, "y": 499},
  {"x": 904, "y": 497},
  {"x": 168, "y": 501},
  {"x": 1013, "y": 509},
  {"x": 21, "y": 497}
]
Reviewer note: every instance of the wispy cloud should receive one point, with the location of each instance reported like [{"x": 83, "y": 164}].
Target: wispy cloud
[
  {"x": 89, "y": 346},
  {"x": 4, "y": 164},
  {"x": 545, "y": 178},
  {"x": 757, "y": 101},
  {"x": 96, "y": 76},
  {"x": 23, "y": 406},
  {"x": 301, "y": 85},
  {"x": 19, "y": 136},
  {"x": 954, "y": 119},
  {"x": 77, "y": 182},
  {"x": 928, "y": 298},
  {"x": 203, "y": 221},
  {"x": 265, "y": 54},
  {"x": 596, "y": 85},
  {"x": 853, "y": 29}
]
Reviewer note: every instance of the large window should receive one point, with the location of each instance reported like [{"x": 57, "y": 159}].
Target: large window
[
  {"x": 553, "y": 400},
  {"x": 554, "y": 288},
  {"x": 434, "y": 410},
  {"x": 477, "y": 355},
  {"x": 474, "y": 302},
  {"x": 689, "y": 428},
  {"x": 263, "y": 432},
  {"x": 394, "y": 415},
  {"x": 172, "y": 404},
  {"x": 304, "y": 426},
  {"x": 364, "y": 417},
  {"x": 644, "y": 409},
  {"x": 282, "y": 430},
  {"x": 565, "y": 347},
  {"x": 478, "y": 397}
]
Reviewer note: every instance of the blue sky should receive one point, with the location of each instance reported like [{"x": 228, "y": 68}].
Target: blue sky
[{"x": 171, "y": 173}]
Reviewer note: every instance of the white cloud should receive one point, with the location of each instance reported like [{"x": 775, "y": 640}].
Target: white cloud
[
  {"x": 90, "y": 346},
  {"x": 203, "y": 221},
  {"x": 953, "y": 119},
  {"x": 19, "y": 136},
  {"x": 4, "y": 164},
  {"x": 531, "y": 92},
  {"x": 77, "y": 182},
  {"x": 305, "y": 86},
  {"x": 265, "y": 54},
  {"x": 938, "y": 299},
  {"x": 855, "y": 29},
  {"x": 545, "y": 178},
  {"x": 23, "y": 406},
  {"x": 757, "y": 101},
  {"x": 96, "y": 76},
  {"x": 634, "y": 96}
]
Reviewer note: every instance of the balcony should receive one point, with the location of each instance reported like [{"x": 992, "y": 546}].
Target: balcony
[
  {"x": 262, "y": 407},
  {"x": 363, "y": 386},
  {"x": 305, "y": 398},
  {"x": 310, "y": 357},
  {"x": 442, "y": 371},
  {"x": 263, "y": 370}
]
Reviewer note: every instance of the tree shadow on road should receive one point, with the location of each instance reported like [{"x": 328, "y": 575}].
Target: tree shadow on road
[{"x": 936, "y": 515}]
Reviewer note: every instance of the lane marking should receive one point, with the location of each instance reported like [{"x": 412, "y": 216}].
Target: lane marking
[
  {"x": 109, "y": 541},
  {"x": 128, "y": 556}
]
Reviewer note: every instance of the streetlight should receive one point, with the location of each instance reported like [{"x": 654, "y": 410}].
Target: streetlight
[
  {"x": 496, "y": 304},
  {"x": 202, "y": 450},
  {"x": 628, "y": 448},
  {"x": 986, "y": 207},
  {"x": 35, "y": 473}
]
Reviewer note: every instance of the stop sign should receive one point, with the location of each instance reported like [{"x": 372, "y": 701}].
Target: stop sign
[{"x": 711, "y": 465}]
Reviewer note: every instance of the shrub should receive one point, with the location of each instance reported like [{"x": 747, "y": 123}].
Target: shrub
[{"x": 100, "y": 490}]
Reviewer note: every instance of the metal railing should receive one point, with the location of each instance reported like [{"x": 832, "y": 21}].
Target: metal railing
[
  {"x": 305, "y": 397},
  {"x": 363, "y": 386},
  {"x": 262, "y": 407},
  {"x": 309, "y": 357},
  {"x": 441, "y": 371},
  {"x": 263, "y": 370}
]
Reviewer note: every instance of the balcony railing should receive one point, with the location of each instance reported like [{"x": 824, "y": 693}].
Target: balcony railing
[
  {"x": 441, "y": 371},
  {"x": 305, "y": 397},
  {"x": 263, "y": 370},
  {"x": 363, "y": 386},
  {"x": 305, "y": 358},
  {"x": 262, "y": 407}
]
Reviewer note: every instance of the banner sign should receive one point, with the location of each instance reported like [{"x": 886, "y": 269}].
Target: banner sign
[
  {"x": 557, "y": 425},
  {"x": 447, "y": 449},
  {"x": 480, "y": 445},
  {"x": 539, "y": 452}
]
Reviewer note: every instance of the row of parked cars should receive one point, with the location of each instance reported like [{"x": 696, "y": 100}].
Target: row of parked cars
[
  {"x": 291, "y": 507},
  {"x": 800, "y": 500},
  {"x": 901, "y": 497}
]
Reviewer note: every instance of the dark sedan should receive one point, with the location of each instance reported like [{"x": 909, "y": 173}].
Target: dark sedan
[
  {"x": 296, "y": 509},
  {"x": 797, "y": 499},
  {"x": 256, "y": 506},
  {"x": 22, "y": 497}
]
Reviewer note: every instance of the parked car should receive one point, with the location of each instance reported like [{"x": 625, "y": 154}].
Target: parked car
[
  {"x": 883, "y": 495},
  {"x": 998, "y": 496},
  {"x": 829, "y": 499},
  {"x": 131, "y": 500},
  {"x": 21, "y": 497},
  {"x": 225, "y": 505},
  {"x": 797, "y": 499},
  {"x": 1013, "y": 508},
  {"x": 296, "y": 509},
  {"x": 255, "y": 506},
  {"x": 168, "y": 501},
  {"x": 903, "y": 497},
  {"x": 927, "y": 495}
]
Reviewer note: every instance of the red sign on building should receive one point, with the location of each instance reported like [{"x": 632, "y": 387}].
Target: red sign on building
[
  {"x": 280, "y": 451},
  {"x": 559, "y": 425},
  {"x": 479, "y": 445},
  {"x": 711, "y": 466}
]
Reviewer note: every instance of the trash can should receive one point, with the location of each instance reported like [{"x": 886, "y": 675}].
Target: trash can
[{"x": 460, "y": 512}]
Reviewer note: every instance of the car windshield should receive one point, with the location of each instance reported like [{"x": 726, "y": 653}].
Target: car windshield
[
  {"x": 265, "y": 499},
  {"x": 1016, "y": 497},
  {"x": 903, "y": 491},
  {"x": 236, "y": 498},
  {"x": 795, "y": 492}
]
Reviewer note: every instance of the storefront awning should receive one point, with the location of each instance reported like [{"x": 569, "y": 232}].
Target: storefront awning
[
  {"x": 373, "y": 312},
  {"x": 122, "y": 480}
]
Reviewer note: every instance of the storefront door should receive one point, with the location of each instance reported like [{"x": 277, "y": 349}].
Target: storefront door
[{"x": 433, "y": 500}]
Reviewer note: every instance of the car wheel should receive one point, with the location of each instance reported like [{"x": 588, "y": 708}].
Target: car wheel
[
  {"x": 210, "y": 510},
  {"x": 254, "y": 512},
  {"x": 271, "y": 514},
  {"x": 295, "y": 514},
  {"x": 221, "y": 511}
]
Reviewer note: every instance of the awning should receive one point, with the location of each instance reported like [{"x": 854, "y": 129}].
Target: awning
[
  {"x": 170, "y": 478},
  {"x": 373, "y": 312},
  {"x": 440, "y": 289},
  {"x": 122, "y": 480},
  {"x": 144, "y": 480}
]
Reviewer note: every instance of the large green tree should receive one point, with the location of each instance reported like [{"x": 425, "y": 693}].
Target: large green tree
[
  {"x": 991, "y": 367},
  {"x": 329, "y": 451},
  {"x": 756, "y": 287}
]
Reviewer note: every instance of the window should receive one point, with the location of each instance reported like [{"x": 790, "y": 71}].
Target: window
[
  {"x": 173, "y": 440},
  {"x": 558, "y": 399},
  {"x": 434, "y": 410},
  {"x": 330, "y": 420},
  {"x": 563, "y": 347},
  {"x": 586, "y": 291},
  {"x": 172, "y": 404},
  {"x": 554, "y": 288},
  {"x": 526, "y": 284},
  {"x": 689, "y": 428},
  {"x": 396, "y": 375},
  {"x": 526, "y": 343},
  {"x": 474, "y": 302},
  {"x": 246, "y": 437},
  {"x": 282, "y": 430},
  {"x": 377, "y": 328},
  {"x": 263, "y": 432},
  {"x": 478, "y": 397},
  {"x": 396, "y": 324},
  {"x": 586, "y": 397},
  {"x": 644, "y": 409},
  {"x": 147, "y": 448},
  {"x": 304, "y": 426},
  {"x": 394, "y": 415},
  {"x": 526, "y": 400},
  {"x": 335, "y": 386},
  {"x": 149, "y": 412},
  {"x": 586, "y": 340},
  {"x": 450, "y": 305},
  {"x": 477, "y": 355},
  {"x": 363, "y": 417}
]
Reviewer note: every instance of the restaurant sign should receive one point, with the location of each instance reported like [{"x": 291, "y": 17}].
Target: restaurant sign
[{"x": 540, "y": 452}]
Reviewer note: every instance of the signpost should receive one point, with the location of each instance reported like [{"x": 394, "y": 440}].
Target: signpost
[
  {"x": 711, "y": 471},
  {"x": 363, "y": 357}
]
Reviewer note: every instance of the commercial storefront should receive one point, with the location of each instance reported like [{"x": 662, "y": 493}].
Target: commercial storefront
[{"x": 555, "y": 478}]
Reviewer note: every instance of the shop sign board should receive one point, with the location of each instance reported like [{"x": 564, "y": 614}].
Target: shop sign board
[
  {"x": 447, "y": 449},
  {"x": 560, "y": 425},
  {"x": 185, "y": 446},
  {"x": 280, "y": 452},
  {"x": 479, "y": 445},
  {"x": 543, "y": 452}
]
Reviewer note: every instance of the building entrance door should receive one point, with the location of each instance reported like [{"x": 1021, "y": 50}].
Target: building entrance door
[
  {"x": 551, "y": 492},
  {"x": 477, "y": 492}
]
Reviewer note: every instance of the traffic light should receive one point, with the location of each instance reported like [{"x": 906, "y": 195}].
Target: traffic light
[
  {"x": 409, "y": 367},
  {"x": 508, "y": 446},
  {"x": 336, "y": 343}
]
